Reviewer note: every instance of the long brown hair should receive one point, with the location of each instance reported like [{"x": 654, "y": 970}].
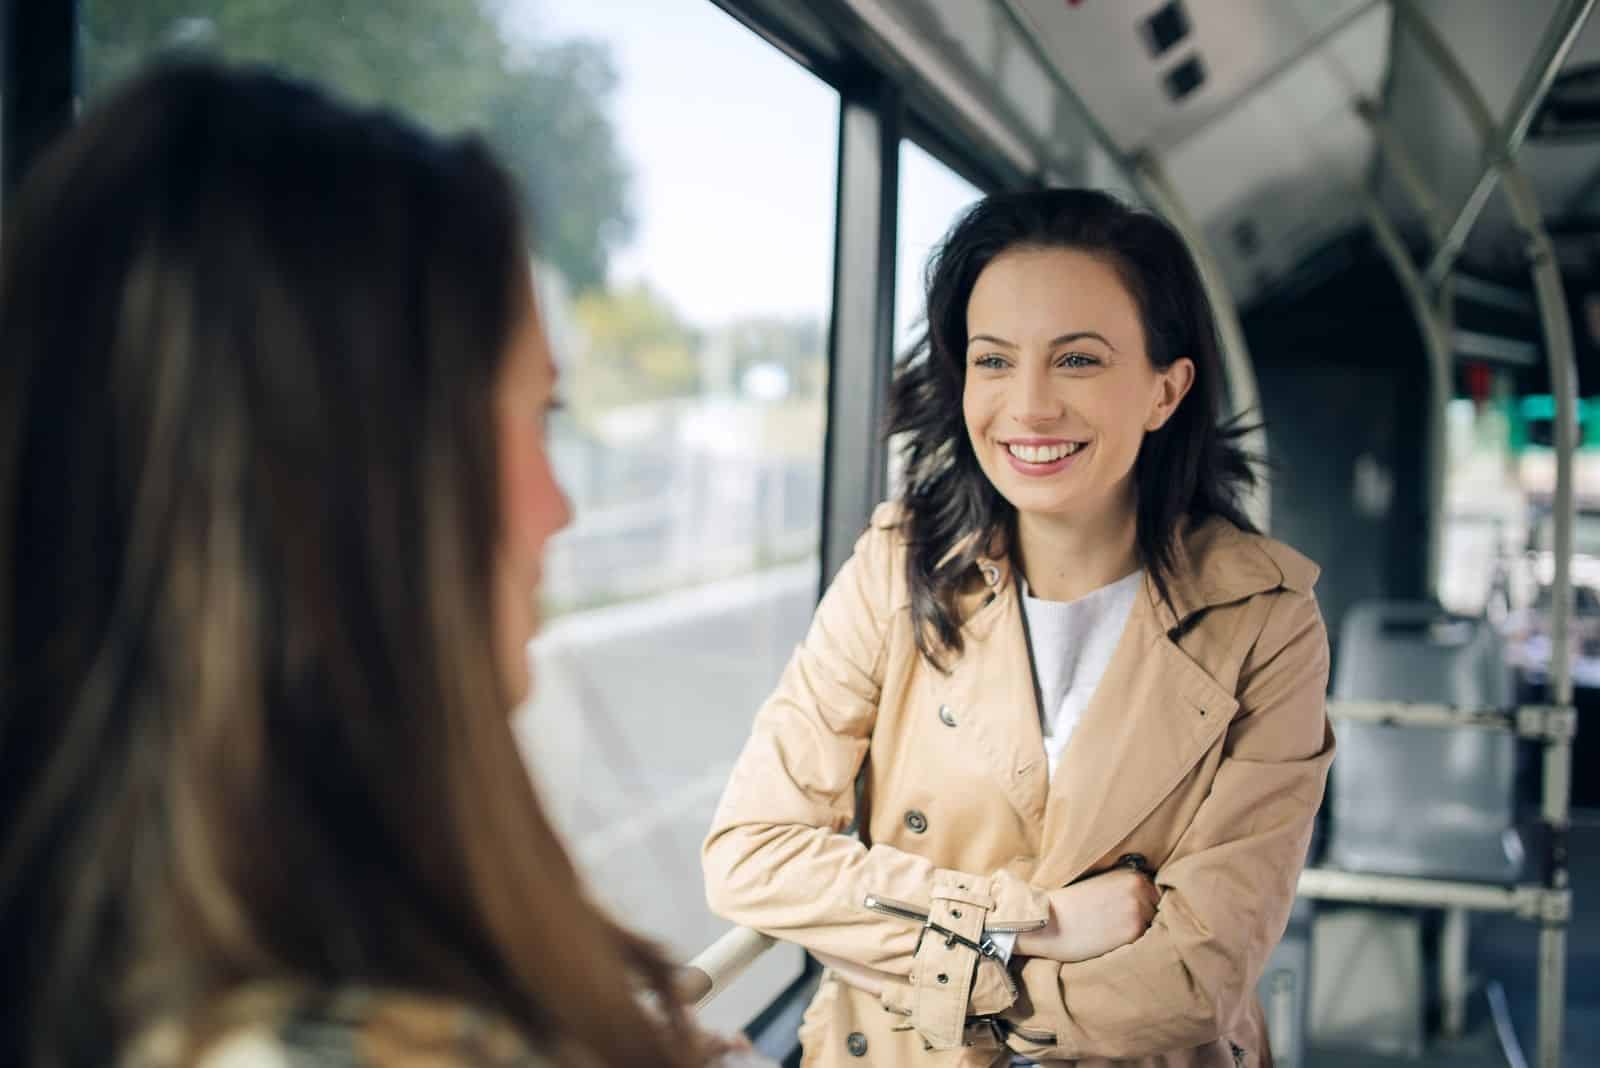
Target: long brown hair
[{"x": 250, "y": 724}]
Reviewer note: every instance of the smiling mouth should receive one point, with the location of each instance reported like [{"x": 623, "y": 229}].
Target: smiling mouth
[{"x": 1044, "y": 454}]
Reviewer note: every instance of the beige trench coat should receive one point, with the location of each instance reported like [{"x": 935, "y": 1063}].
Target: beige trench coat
[{"x": 1205, "y": 749}]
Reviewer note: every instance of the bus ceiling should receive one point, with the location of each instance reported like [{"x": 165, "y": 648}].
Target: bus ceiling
[{"x": 1245, "y": 102}]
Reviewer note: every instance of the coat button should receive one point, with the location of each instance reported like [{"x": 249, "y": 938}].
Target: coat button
[
  {"x": 946, "y": 716},
  {"x": 856, "y": 1044},
  {"x": 916, "y": 821}
]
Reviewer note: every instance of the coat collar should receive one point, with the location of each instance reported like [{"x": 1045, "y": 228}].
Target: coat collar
[
  {"x": 1215, "y": 563},
  {"x": 1156, "y": 710}
]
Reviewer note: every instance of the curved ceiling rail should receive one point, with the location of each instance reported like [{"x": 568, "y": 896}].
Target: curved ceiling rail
[
  {"x": 1434, "y": 326},
  {"x": 1413, "y": 184},
  {"x": 1243, "y": 398},
  {"x": 1145, "y": 174},
  {"x": 1433, "y": 318},
  {"x": 1500, "y": 143}
]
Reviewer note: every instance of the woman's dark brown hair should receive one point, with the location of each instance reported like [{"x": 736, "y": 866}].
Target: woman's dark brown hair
[
  {"x": 1190, "y": 469},
  {"x": 250, "y": 725}
]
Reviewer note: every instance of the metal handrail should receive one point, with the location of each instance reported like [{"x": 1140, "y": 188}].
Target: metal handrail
[{"x": 715, "y": 968}]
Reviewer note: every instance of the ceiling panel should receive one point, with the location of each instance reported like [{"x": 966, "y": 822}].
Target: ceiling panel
[
  {"x": 1101, "y": 46},
  {"x": 1269, "y": 145}
]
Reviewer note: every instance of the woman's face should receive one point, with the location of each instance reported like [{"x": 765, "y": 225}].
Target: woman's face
[
  {"x": 1060, "y": 391},
  {"x": 532, "y": 506}
]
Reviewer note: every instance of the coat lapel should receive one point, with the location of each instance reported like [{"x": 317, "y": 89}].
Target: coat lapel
[
  {"x": 996, "y": 674},
  {"x": 1153, "y": 716},
  {"x": 1156, "y": 711}
]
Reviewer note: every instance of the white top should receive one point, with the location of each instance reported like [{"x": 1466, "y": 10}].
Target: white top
[{"x": 1071, "y": 643}]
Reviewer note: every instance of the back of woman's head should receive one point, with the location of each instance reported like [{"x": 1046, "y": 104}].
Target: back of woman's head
[
  {"x": 250, "y": 724},
  {"x": 1189, "y": 469}
]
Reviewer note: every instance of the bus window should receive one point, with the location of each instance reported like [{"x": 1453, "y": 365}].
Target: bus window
[
  {"x": 689, "y": 318},
  {"x": 694, "y": 454},
  {"x": 932, "y": 197}
]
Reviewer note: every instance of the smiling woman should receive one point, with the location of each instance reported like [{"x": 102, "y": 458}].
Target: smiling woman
[
  {"x": 1061, "y": 318},
  {"x": 1083, "y": 698},
  {"x": 1057, "y": 422}
]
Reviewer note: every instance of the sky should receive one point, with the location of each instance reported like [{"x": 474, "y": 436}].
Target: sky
[
  {"x": 733, "y": 151},
  {"x": 734, "y": 154}
]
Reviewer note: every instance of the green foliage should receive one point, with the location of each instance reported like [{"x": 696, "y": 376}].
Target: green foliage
[
  {"x": 446, "y": 63},
  {"x": 638, "y": 350}
]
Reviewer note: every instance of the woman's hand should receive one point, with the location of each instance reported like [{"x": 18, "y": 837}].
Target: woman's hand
[{"x": 1093, "y": 917}]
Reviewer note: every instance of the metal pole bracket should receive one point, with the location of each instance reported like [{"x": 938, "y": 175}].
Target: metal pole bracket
[
  {"x": 1543, "y": 905},
  {"x": 1548, "y": 723}
]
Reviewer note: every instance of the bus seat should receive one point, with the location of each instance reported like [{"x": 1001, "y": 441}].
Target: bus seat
[{"x": 1438, "y": 803}]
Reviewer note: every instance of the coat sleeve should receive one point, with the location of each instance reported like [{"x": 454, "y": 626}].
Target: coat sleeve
[
  {"x": 778, "y": 857},
  {"x": 1228, "y": 886}
]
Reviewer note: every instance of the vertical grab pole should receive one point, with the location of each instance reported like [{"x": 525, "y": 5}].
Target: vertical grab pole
[{"x": 1557, "y": 327}]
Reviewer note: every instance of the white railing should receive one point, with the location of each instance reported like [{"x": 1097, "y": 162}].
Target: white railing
[{"x": 719, "y": 964}]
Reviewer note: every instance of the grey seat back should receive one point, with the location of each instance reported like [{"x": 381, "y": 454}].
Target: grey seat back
[{"x": 1419, "y": 801}]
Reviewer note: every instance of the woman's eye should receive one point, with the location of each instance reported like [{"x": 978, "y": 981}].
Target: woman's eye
[
  {"x": 1077, "y": 361},
  {"x": 990, "y": 362}
]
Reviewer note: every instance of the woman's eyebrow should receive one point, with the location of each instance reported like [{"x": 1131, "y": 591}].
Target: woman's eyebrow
[
  {"x": 1080, "y": 335},
  {"x": 1064, "y": 339},
  {"x": 991, "y": 339}
]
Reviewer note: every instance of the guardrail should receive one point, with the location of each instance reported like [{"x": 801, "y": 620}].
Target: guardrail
[{"x": 1546, "y": 903}]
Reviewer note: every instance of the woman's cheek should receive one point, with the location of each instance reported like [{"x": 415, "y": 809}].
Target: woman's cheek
[{"x": 520, "y": 460}]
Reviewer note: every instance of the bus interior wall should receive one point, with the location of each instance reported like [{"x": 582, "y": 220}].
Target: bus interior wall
[{"x": 1342, "y": 386}]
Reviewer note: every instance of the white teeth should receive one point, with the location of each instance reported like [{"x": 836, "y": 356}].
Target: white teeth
[{"x": 1044, "y": 454}]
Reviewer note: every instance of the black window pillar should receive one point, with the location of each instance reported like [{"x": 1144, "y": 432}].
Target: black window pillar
[
  {"x": 38, "y": 68},
  {"x": 861, "y": 337}
]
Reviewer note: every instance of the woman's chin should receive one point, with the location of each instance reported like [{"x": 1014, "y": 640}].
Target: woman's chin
[{"x": 1041, "y": 503}]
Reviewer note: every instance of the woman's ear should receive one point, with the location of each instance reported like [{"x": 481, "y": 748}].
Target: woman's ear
[{"x": 1174, "y": 384}]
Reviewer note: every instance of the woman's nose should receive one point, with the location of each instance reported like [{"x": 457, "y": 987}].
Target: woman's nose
[{"x": 1035, "y": 402}]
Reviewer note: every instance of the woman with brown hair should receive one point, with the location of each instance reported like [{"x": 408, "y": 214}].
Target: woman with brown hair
[
  {"x": 1072, "y": 701},
  {"x": 273, "y": 498}
]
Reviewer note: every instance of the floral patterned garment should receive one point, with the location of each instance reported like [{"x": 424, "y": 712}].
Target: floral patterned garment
[{"x": 354, "y": 1028}]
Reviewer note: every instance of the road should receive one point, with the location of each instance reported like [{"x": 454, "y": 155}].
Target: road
[{"x": 638, "y": 715}]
